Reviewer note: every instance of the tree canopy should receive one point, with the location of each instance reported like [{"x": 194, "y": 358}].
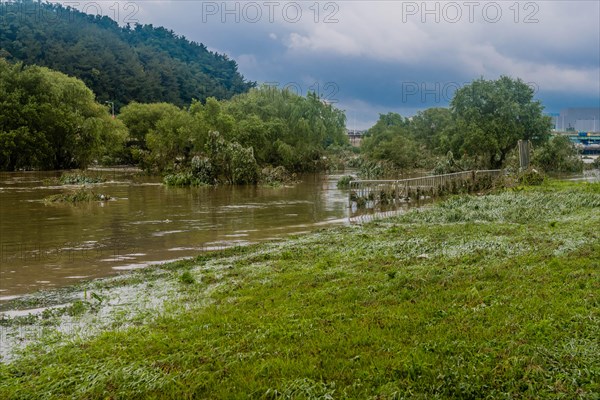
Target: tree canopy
[
  {"x": 484, "y": 122},
  {"x": 390, "y": 140},
  {"x": 51, "y": 121},
  {"x": 280, "y": 128},
  {"x": 492, "y": 115}
]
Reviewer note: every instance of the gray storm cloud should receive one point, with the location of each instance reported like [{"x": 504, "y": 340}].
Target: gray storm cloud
[{"x": 374, "y": 51}]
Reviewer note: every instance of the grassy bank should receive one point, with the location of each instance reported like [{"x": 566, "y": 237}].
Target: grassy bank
[{"x": 495, "y": 296}]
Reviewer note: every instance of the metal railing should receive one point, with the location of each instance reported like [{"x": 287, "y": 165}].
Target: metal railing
[{"x": 370, "y": 193}]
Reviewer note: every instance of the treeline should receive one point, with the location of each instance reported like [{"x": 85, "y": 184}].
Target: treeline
[
  {"x": 51, "y": 121},
  {"x": 479, "y": 130},
  {"x": 228, "y": 141},
  {"x": 120, "y": 64}
]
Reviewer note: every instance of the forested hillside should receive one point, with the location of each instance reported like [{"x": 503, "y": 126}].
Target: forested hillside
[{"x": 122, "y": 64}]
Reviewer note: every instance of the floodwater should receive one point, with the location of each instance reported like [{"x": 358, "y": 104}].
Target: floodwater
[{"x": 45, "y": 246}]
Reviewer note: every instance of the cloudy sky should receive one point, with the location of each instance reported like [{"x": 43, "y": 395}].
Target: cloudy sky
[{"x": 373, "y": 57}]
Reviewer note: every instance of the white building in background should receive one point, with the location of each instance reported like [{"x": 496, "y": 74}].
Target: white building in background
[
  {"x": 577, "y": 119},
  {"x": 587, "y": 125}
]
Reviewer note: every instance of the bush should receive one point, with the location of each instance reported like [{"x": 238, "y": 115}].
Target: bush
[
  {"x": 344, "y": 182},
  {"x": 277, "y": 176},
  {"x": 558, "y": 155},
  {"x": 377, "y": 169},
  {"x": 338, "y": 157},
  {"x": 79, "y": 179},
  {"x": 242, "y": 164},
  {"x": 80, "y": 196},
  {"x": 203, "y": 170},
  {"x": 183, "y": 179},
  {"x": 187, "y": 278},
  {"x": 230, "y": 161},
  {"x": 530, "y": 176},
  {"x": 223, "y": 162},
  {"x": 511, "y": 162}
]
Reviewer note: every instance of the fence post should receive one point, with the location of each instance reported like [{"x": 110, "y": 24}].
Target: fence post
[{"x": 523, "y": 154}]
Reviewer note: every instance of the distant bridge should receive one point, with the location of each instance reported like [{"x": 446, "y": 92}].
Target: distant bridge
[{"x": 355, "y": 136}]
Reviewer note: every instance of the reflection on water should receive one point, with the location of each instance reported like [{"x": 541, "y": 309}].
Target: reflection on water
[{"x": 49, "y": 245}]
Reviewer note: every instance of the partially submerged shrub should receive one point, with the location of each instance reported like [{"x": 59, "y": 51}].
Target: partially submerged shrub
[
  {"x": 222, "y": 162},
  {"x": 82, "y": 195},
  {"x": 79, "y": 179},
  {"x": 242, "y": 164},
  {"x": 277, "y": 176},
  {"x": 344, "y": 182},
  {"x": 203, "y": 169},
  {"x": 183, "y": 179},
  {"x": 74, "y": 178}
]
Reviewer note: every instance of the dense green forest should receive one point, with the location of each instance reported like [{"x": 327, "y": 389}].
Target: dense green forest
[
  {"x": 183, "y": 110},
  {"x": 121, "y": 64}
]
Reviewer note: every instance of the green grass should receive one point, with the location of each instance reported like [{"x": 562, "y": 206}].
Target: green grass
[{"x": 495, "y": 296}]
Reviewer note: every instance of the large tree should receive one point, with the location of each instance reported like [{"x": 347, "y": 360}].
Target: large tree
[
  {"x": 51, "y": 121},
  {"x": 492, "y": 115},
  {"x": 390, "y": 139},
  {"x": 430, "y": 126}
]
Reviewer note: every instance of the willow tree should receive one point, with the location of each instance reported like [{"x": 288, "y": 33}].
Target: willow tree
[
  {"x": 49, "y": 120},
  {"x": 285, "y": 128}
]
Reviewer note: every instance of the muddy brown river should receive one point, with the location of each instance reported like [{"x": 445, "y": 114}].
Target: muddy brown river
[
  {"x": 51, "y": 245},
  {"x": 45, "y": 246}
]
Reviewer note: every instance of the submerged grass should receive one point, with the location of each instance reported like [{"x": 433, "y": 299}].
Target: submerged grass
[
  {"x": 79, "y": 179},
  {"x": 81, "y": 195},
  {"x": 478, "y": 297},
  {"x": 75, "y": 178}
]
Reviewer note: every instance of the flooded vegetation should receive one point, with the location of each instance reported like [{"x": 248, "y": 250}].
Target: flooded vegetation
[
  {"x": 447, "y": 261},
  {"x": 80, "y": 195},
  {"x": 405, "y": 305},
  {"x": 140, "y": 222}
]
